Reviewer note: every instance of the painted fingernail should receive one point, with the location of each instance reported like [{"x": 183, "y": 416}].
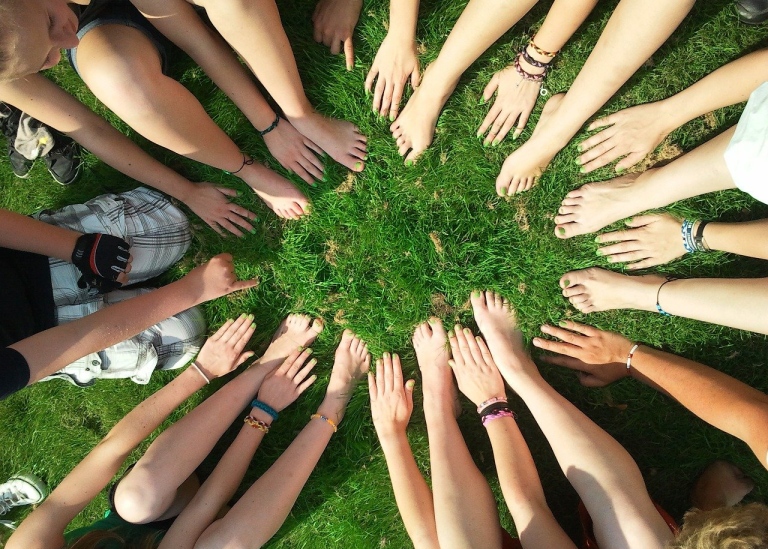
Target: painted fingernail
[
  {"x": 312, "y": 362},
  {"x": 467, "y": 331},
  {"x": 597, "y": 239},
  {"x": 391, "y": 117},
  {"x": 410, "y": 384},
  {"x": 580, "y": 147},
  {"x": 515, "y": 136},
  {"x": 578, "y": 160},
  {"x": 253, "y": 231},
  {"x": 562, "y": 324},
  {"x": 619, "y": 169},
  {"x": 582, "y": 170},
  {"x": 561, "y": 230},
  {"x": 386, "y": 355},
  {"x": 495, "y": 143},
  {"x": 450, "y": 333},
  {"x": 301, "y": 348},
  {"x": 310, "y": 351},
  {"x": 598, "y": 252},
  {"x": 253, "y": 325}
]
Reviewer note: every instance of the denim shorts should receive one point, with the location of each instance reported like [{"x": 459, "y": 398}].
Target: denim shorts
[{"x": 117, "y": 12}]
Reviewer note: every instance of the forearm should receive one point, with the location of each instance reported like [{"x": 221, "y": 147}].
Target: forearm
[
  {"x": 20, "y": 232},
  {"x": 728, "y": 85},
  {"x": 403, "y": 15},
  {"x": 413, "y": 496},
  {"x": 563, "y": 18},
  {"x": 748, "y": 239},
  {"x": 715, "y": 397}
]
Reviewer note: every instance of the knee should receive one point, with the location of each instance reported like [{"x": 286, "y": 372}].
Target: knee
[{"x": 137, "y": 502}]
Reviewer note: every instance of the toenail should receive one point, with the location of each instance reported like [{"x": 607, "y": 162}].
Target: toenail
[
  {"x": 482, "y": 100},
  {"x": 476, "y": 294},
  {"x": 598, "y": 252},
  {"x": 582, "y": 170},
  {"x": 503, "y": 191},
  {"x": 561, "y": 230},
  {"x": 597, "y": 239},
  {"x": 358, "y": 165},
  {"x": 409, "y": 163},
  {"x": 567, "y": 282}
]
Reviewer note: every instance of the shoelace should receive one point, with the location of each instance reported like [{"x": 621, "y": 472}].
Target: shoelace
[{"x": 8, "y": 499}]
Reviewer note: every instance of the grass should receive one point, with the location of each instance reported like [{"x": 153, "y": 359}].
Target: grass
[{"x": 387, "y": 248}]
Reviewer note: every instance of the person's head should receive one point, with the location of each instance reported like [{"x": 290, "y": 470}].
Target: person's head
[
  {"x": 739, "y": 527},
  {"x": 32, "y": 35}
]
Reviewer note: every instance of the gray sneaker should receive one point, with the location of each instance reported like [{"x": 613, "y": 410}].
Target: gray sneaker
[{"x": 21, "y": 490}]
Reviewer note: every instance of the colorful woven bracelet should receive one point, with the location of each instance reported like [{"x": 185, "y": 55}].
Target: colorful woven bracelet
[
  {"x": 658, "y": 292},
  {"x": 540, "y": 51},
  {"x": 256, "y": 424},
  {"x": 266, "y": 408},
  {"x": 498, "y": 415},
  {"x": 483, "y": 405},
  {"x": 328, "y": 420}
]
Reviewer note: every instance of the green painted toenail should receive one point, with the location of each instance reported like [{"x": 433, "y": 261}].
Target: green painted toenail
[
  {"x": 482, "y": 100},
  {"x": 475, "y": 294},
  {"x": 503, "y": 191},
  {"x": 567, "y": 283},
  {"x": 561, "y": 230},
  {"x": 582, "y": 170},
  {"x": 409, "y": 163},
  {"x": 358, "y": 165},
  {"x": 597, "y": 239},
  {"x": 598, "y": 252}
]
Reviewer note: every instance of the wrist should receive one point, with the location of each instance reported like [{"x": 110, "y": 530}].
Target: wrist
[
  {"x": 261, "y": 415},
  {"x": 671, "y": 113},
  {"x": 401, "y": 36},
  {"x": 389, "y": 433}
]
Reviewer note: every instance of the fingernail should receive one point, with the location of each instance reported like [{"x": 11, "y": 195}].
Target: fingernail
[
  {"x": 386, "y": 355},
  {"x": 301, "y": 348},
  {"x": 485, "y": 143},
  {"x": 562, "y": 323},
  {"x": 579, "y": 147},
  {"x": 597, "y": 239},
  {"x": 450, "y": 333},
  {"x": 253, "y": 231},
  {"x": 467, "y": 331},
  {"x": 391, "y": 117},
  {"x": 619, "y": 170},
  {"x": 561, "y": 230},
  {"x": 253, "y": 325},
  {"x": 582, "y": 170},
  {"x": 309, "y": 351},
  {"x": 410, "y": 384},
  {"x": 312, "y": 362},
  {"x": 578, "y": 160},
  {"x": 479, "y": 135},
  {"x": 515, "y": 136},
  {"x": 535, "y": 342},
  {"x": 494, "y": 143},
  {"x": 598, "y": 252}
]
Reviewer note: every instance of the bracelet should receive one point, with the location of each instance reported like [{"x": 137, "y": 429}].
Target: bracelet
[
  {"x": 629, "y": 357},
  {"x": 527, "y": 75},
  {"x": 200, "y": 371},
  {"x": 658, "y": 307},
  {"x": 483, "y": 405},
  {"x": 540, "y": 51},
  {"x": 493, "y": 408},
  {"x": 256, "y": 424},
  {"x": 328, "y": 420},
  {"x": 686, "y": 230},
  {"x": 534, "y": 62},
  {"x": 698, "y": 239},
  {"x": 498, "y": 415},
  {"x": 266, "y": 408},
  {"x": 246, "y": 162},
  {"x": 271, "y": 127}
]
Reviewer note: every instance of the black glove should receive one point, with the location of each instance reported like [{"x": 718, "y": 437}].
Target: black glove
[{"x": 101, "y": 258}]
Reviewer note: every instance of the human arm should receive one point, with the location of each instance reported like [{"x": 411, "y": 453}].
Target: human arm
[
  {"x": 479, "y": 379},
  {"x": 49, "y": 351},
  {"x": 45, "y": 526},
  {"x": 391, "y": 408},
  {"x": 715, "y": 397},
  {"x": 279, "y": 390},
  {"x": 516, "y": 96},
  {"x": 396, "y": 60},
  {"x": 334, "y": 22},
  {"x": 47, "y": 102},
  {"x": 634, "y": 132}
]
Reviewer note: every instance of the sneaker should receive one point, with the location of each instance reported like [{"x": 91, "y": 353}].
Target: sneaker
[
  {"x": 64, "y": 161},
  {"x": 21, "y": 490},
  {"x": 752, "y": 12},
  {"x": 9, "y": 124}
]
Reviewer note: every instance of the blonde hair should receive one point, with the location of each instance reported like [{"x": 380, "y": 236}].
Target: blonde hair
[
  {"x": 740, "y": 527},
  {"x": 9, "y": 40}
]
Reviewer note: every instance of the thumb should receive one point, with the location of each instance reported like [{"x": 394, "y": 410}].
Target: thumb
[
  {"x": 640, "y": 220},
  {"x": 415, "y": 77}
]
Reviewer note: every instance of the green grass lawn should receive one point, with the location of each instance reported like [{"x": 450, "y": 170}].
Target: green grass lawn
[{"x": 385, "y": 249}]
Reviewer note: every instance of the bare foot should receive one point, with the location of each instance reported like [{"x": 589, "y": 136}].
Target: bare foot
[
  {"x": 340, "y": 139},
  {"x": 294, "y": 331},
  {"x": 415, "y": 127},
  {"x": 278, "y": 193},
  {"x": 721, "y": 484},
  {"x": 523, "y": 167},
  {"x": 591, "y": 290},
  {"x": 596, "y": 205},
  {"x": 498, "y": 324},
  {"x": 430, "y": 341},
  {"x": 351, "y": 362}
]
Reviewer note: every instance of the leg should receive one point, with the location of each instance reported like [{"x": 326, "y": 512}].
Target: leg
[
  {"x": 157, "y": 484},
  {"x": 605, "y": 476},
  {"x": 255, "y": 31},
  {"x": 737, "y": 303},
  {"x": 635, "y": 30},
  {"x": 122, "y": 68},
  {"x": 275, "y": 492},
  {"x": 465, "y": 509},
  {"x": 480, "y": 25},
  {"x": 596, "y": 205}
]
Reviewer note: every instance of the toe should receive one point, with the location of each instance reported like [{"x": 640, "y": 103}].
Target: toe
[{"x": 317, "y": 325}]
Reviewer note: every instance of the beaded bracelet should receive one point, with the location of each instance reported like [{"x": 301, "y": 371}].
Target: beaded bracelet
[
  {"x": 483, "y": 405},
  {"x": 328, "y": 420},
  {"x": 271, "y": 127},
  {"x": 540, "y": 51},
  {"x": 256, "y": 424},
  {"x": 266, "y": 408},
  {"x": 498, "y": 415},
  {"x": 686, "y": 230}
]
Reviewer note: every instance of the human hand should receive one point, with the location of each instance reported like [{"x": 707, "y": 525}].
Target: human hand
[
  {"x": 283, "y": 386},
  {"x": 599, "y": 357},
  {"x": 391, "y": 400},
  {"x": 211, "y": 204},
  {"x": 652, "y": 240},
  {"x": 223, "y": 351},
  {"x": 215, "y": 279},
  {"x": 632, "y": 133},
  {"x": 515, "y": 99},
  {"x": 334, "y": 22},
  {"x": 476, "y": 373},
  {"x": 103, "y": 260},
  {"x": 295, "y": 152},
  {"x": 395, "y": 62}
]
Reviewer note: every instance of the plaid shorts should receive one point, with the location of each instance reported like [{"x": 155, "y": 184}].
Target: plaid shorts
[{"x": 158, "y": 234}]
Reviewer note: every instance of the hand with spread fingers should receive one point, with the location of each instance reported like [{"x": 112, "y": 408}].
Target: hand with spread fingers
[
  {"x": 476, "y": 372},
  {"x": 395, "y": 63},
  {"x": 295, "y": 152},
  {"x": 515, "y": 99},
  {"x": 213, "y": 205},
  {"x": 599, "y": 357},
  {"x": 282, "y": 387},
  {"x": 632, "y": 133},
  {"x": 223, "y": 351},
  {"x": 391, "y": 399},
  {"x": 650, "y": 240}
]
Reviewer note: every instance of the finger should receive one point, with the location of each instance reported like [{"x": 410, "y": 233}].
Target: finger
[
  {"x": 584, "y": 329},
  {"x": 234, "y": 328},
  {"x": 289, "y": 360},
  {"x": 242, "y": 212},
  {"x": 299, "y": 170},
  {"x": 294, "y": 367},
  {"x": 317, "y": 34},
  {"x": 243, "y": 285},
  {"x": 397, "y": 372},
  {"x": 225, "y": 223},
  {"x": 244, "y": 333},
  {"x": 213, "y": 225},
  {"x": 387, "y": 373},
  {"x": 615, "y": 236},
  {"x": 565, "y": 361},
  {"x": 645, "y": 263},
  {"x": 556, "y": 347},
  {"x": 454, "y": 343},
  {"x": 409, "y": 385},
  {"x": 349, "y": 53},
  {"x": 318, "y": 152},
  {"x": 624, "y": 246},
  {"x": 222, "y": 330},
  {"x": 487, "y": 121},
  {"x": 304, "y": 372},
  {"x": 588, "y": 380},
  {"x": 227, "y": 191},
  {"x": 372, "y": 391},
  {"x": 474, "y": 349},
  {"x": 370, "y": 78},
  {"x": 380, "y": 377},
  {"x": 243, "y": 357},
  {"x": 336, "y": 44},
  {"x": 312, "y": 165},
  {"x": 304, "y": 386},
  {"x": 490, "y": 88},
  {"x": 462, "y": 336},
  {"x": 598, "y": 151},
  {"x": 563, "y": 334},
  {"x": 415, "y": 77},
  {"x": 624, "y": 257},
  {"x": 397, "y": 95},
  {"x": 241, "y": 222},
  {"x": 485, "y": 352},
  {"x": 602, "y": 122},
  {"x": 508, "y": 123},
  {"x": 378, "y": 91},
  {"x": 630, "y": 160},
  {"x": 386, "y": 99},
  {"x": 521, "y": 123}
]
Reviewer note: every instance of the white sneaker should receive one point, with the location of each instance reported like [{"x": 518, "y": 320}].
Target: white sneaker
[{"x": 20, "y": 490}]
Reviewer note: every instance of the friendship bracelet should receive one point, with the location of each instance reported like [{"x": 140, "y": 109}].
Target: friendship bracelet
[
  {"x": 527, "y": 75},
  {"x": 246, "y": 162},
  {"x": 328, "y": 420},
  {"x": 658, "y": 307},
  {"x": 498, "y": 415},
  {"x": 540, "y": 51},
  {"x": 266, "y": 408},
  {"x": 629, "y": 357},
  {"x": 534, "y": 62},
  {"x": 494, "y": 400},
  {"x": 698, "y": 239},
  {"x": 493, "y": 408},
  {"x": 199, "y": 371},
  {"x": 271, "y": 127},
  {"x": 256, "y": 424},
  {"x": 686, "y": 230}
]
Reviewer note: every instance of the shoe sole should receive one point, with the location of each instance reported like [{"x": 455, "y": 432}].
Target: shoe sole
[{"x": 36, "y": 482}]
